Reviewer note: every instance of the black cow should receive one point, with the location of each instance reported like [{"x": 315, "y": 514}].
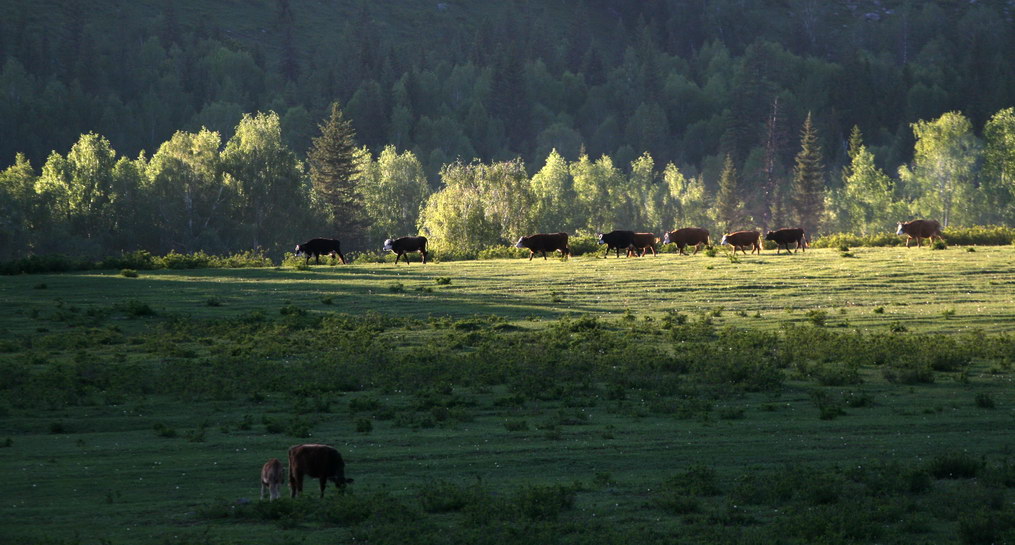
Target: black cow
[
  {"x": 318, "y": 247},
  {"x": 787, "y": 236},
  {"x": 404, "y": 245},
  {"x": 618, "y": 240},
  {"x": 688, "y": 236},
  {"x": 545, "y": 242},
  {"x": 318, "y": 462}
]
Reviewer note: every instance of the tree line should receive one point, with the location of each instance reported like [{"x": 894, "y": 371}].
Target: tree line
[
  {"x": 198, "y": 193},
  {"x": 689, "y": 81}
]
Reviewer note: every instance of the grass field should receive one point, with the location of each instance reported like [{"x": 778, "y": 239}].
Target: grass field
[{"x": 782, "y": 398}]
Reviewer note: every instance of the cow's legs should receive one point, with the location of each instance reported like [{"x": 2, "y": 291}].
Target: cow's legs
[
  {"x": 295, "y": 484},
  {"x": 324, "y": 484},
  {"x": 262, "y": 489},
  {"x": 398, "y": 255}
]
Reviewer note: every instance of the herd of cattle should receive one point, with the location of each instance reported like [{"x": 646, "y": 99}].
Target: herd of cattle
[
  {"x": 324, "y": 463},
  {"x": 635, "y": 244}
]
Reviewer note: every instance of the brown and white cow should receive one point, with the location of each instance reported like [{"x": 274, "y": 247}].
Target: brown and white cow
[
  {"x": 787, "y": 236},
  {"x": 644, "y": 242},
  {"x": 742, "y": 239},
  {"x": 272, "y": 477},
  {"x": 320, "y": 462},
  {"x": 688, "y": 236},
  {"x": 545, "y": 242},
  {"x": 919, "y": 229}
]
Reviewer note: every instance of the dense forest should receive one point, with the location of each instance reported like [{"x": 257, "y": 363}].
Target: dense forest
[{"x": 186, "y": 125}]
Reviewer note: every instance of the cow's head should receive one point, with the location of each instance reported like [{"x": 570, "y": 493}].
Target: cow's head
[
  {"x": 666, "y": 238},
  {"x": 389, "y": 244},
  {"x": 601, "y": 241},
  {"x": 724, "y": 237},
  {"x": 770, "y": 235},
  {"x": 519, "y": 243},
  {"x": 298, "y": 251},
  {"x": 900, "y": 230}
]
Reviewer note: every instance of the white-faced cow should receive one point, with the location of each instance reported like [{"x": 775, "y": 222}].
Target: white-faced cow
[
  {"x": 787, "y": 236},
  {"x": 320, "y": 462},
  {"x": 919, "y": 229},
  {"x": 688, "y": 236},
  {"x": 272, "y": 477},
  {"x": 545, "y": 242},
  {"x": 742, "y": 239},
  {"x": 404, "y": 245},
  {"x": 318, "y": 247},
  {"x": 618, "y": 240}
]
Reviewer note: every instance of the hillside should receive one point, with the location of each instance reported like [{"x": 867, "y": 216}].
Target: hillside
[{"x": 685, "y": 80}]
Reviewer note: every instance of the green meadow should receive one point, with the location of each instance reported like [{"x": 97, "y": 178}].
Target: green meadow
[{"x": 812, "y": 397}]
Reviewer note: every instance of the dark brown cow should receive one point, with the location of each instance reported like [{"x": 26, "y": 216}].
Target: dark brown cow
[
  {"x": 643, "y": 242},
  {"x": 688, "y": 236},
  {"x": 272, "y": 477},
  {"x": 404, "y": 245},
  {"x": 320, "y": 246},
  {"x": 618, "y": 240},
  {"x": 919, "y": 229},
  {"x": 316, "y": 461},
  {"x": 787, "y": 236},
  {"x": 545, "y": 242},
  {"x": 741, "y": 239}
]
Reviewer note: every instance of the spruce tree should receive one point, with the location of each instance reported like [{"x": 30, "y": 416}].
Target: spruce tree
[
  {"x": 728, "y": 211},
  {"x": 333, "y": 174},
  {"x": 807, "y": 196}
]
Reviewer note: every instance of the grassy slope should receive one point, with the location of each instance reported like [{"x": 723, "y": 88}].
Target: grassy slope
[
  {"x": 107, "y": 475},
  {"x": 913, "y": 286}
]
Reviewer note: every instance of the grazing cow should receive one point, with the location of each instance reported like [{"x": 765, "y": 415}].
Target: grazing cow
[
  {"x": 741, "y": 239},
  {"x": 643, "y": 242},
  {"x": 318, "y": 462},
  {"x": 787, "y": 236},
  {"x": 688, "y": 236},
  {"x": 272, "y": 476},
  {"x": 618, "y": 240},
  {"x": 318, "y": 247},
  {"x": 545, "y": 242},
  {"x": 404, "y": 245},
  {"x": 919, "y": 229}
]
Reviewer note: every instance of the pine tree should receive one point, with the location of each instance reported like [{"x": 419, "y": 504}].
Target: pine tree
[
  {"x": 807, "y": 197},
  {"x": 728, "y": 211},
  {"x": 333, "y": 172}
]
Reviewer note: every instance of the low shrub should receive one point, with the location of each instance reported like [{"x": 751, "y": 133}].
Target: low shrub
[{"x": 954, "y": 465}]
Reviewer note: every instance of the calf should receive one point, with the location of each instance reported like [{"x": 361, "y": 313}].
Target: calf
[
  {"x": 919, "y": 229},
  {"x": 785, "y": 237},
  {"x": 688, "y": 236},
  {"x": 316, "y": 461},
  {"x": 741, "y": 239},
  {"x": 545, "y": 242},
  {"x": 272, "y": 476},
  {"x": 404, "y": 245},
  {"x": 320, "y": 246}
]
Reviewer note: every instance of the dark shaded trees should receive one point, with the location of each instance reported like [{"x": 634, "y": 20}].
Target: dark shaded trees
[
  {"x": 808, "y": 187},
  {"x": 333, "y": 169}
]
